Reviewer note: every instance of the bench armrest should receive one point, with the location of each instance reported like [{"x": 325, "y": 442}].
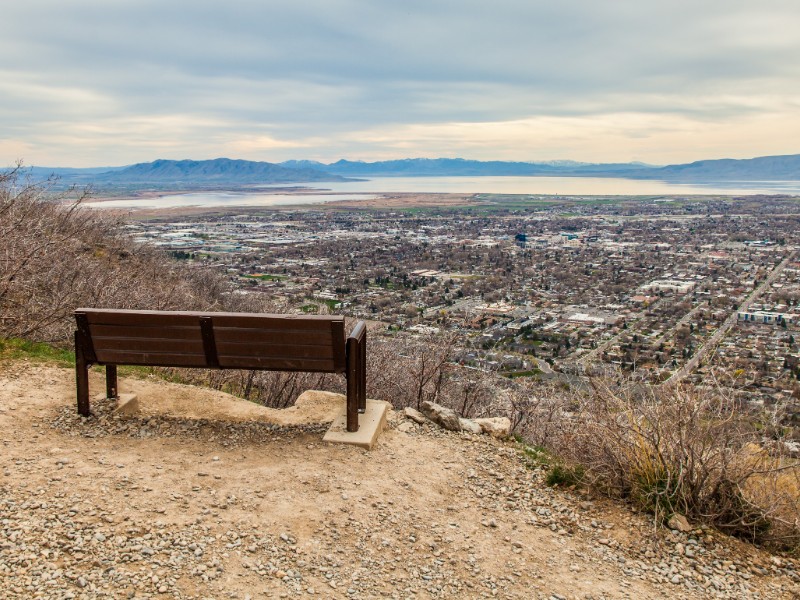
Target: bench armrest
[
  {"x": 359, "y": 332},
  {"x": 356, "y": 350}
]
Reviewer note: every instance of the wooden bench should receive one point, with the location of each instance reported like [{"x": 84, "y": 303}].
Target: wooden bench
[{"x": 219, "y": 341}]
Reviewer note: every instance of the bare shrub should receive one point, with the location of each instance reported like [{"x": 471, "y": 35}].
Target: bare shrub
[
  {"x": 685, "y": 450},
  {"x": 539, "y": 412},
  {"x": 474, "y": 394},
  {"x": 406, "y": 370},
  {"x": 274, "y": 389},
  {"x": 57, "y": 255}
]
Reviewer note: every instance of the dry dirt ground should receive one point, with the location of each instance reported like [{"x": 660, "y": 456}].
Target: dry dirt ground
[{"x": 201, "y": 495}]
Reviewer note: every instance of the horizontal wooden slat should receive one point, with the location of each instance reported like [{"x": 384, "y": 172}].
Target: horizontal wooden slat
[
  {"x": 242, "y": 340},
  {"x": 156, "y": 345},
  {"x": 339, "y": 350},
  {"x": 190, "y": 332},
  {"x": 232, "y": 334},
  {"x": 156, "y": 319},
  {"x": 275, "y": 350},
  {"x": 113, "y": 312},
  {"x": 277, "y": 364},
  {"x": 275, "y": 323},
  {"x": 155, "y": 359}
]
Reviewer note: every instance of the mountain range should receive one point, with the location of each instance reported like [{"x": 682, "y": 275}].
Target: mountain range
[{"x": 226, "y": 172}]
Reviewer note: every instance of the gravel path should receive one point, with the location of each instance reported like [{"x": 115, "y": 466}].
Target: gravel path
[{"x": 164, "y": 507}]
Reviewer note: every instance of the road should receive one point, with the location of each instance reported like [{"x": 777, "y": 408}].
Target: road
[
  {"x": 685, "y": 319},
  {"x": 465, "y": 304},
  {"x": 717, "y": 336},
  {"x": 594, "y": 353}
]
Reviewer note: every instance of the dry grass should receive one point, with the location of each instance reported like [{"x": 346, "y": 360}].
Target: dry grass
[
  {"x": 57, "y": 255},
  {"x": 679, "y": 450}
]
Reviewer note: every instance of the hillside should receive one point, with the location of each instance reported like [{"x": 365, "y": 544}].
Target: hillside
[
  {"x": 238, "y": 501},
  {"x": 764, "y": 168},
  {"x": 452, "y": 167},
  {"x": 227, "y": 172},
  {"x": 219, "y": 170},
  {"x": 186, "y": 174}
]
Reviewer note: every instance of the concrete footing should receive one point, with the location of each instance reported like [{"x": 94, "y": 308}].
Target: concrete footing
[
  {"x": 370, "y": 425},
  {"x": 127, "y": 404}
]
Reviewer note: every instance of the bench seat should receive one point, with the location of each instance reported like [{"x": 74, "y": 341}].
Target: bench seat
[{"x": 219, "y": 340}]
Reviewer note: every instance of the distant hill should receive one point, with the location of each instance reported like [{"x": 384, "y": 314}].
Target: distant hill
[
  {"x": 226, "y": 172},
  {"x": 216, "y": 171},
  {"x": 764, "y": 168},
  {"x": 438, "y": 167}
]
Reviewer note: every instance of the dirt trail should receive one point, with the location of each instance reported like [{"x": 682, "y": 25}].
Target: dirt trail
[{"x": 202, "y": 495}]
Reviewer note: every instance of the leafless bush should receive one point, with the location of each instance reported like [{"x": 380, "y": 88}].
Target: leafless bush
[
  {"x": 539, "y": 412},
  {"x": 57, "y": 255},
  {"x": 274, "y": 389},
  {"x": 686, "y": 450},
  {"x": 407, "y": 370},
  {"x": 474, "y": 394}
]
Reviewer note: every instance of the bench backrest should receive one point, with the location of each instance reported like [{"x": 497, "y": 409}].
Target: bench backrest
[{"x": 218, "y": 340}]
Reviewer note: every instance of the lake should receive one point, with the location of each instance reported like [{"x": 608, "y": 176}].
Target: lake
[
  {"x": 564, "y": 186},
  {"x": 217, "y": 199},
  {"x": 354, "y": 190}
]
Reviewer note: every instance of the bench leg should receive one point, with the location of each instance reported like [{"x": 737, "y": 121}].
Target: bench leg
[
  {"x": 111, "y": 382},
  {"x": 362, "y": 376},
  {"x": 353, "y": 384},
  {"x": 81, "y": 377}
]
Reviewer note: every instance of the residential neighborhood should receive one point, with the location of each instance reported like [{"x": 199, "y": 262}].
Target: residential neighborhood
[{"x": 671, "y": 289}]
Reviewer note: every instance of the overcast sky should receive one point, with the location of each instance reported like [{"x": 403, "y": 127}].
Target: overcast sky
[{"x": 113, "y": 82}]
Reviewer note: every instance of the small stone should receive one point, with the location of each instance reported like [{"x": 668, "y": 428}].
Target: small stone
[
  {"x": 678, "y": 522},
  {"x": 415, "y": 415},
  {"x": 406, "y": 427},
  {"x": 470, "y": 426},
  {"x": 445, "y": 417},
  {"x": 499, "y": 427}
]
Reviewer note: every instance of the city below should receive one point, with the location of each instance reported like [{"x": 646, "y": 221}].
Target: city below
[{"x": 685, "y": 288}]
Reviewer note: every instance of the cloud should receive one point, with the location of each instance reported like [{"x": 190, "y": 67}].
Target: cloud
[{"x": 337, "y": 78}]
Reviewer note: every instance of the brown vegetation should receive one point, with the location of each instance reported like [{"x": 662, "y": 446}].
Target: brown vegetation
[
  {"x": 692, "y": 451},
  {"x": 57, "y": 255}
]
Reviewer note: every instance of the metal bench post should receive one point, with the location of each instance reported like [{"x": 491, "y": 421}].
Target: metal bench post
[
  {"x": 112, "y": 390},
  {"x": 362, "y": 374},
  {"x": 353, "y": 384},
  {"x": 81, "y": 375}
]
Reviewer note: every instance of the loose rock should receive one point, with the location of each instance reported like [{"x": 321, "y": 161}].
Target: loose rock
[{"x": 441, "y": 415}]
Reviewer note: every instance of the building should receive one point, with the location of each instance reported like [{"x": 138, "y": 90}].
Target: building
[{"x": 766, "y": 317}]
